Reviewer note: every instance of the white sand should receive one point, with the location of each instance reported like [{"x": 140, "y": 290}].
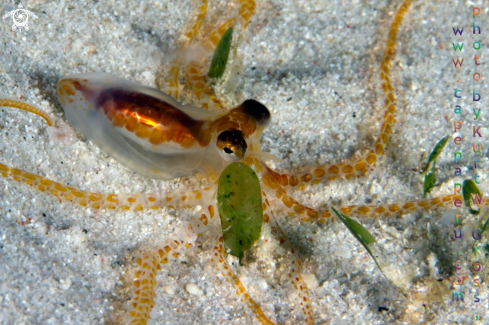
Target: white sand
[{"x": 315, "y": 64}]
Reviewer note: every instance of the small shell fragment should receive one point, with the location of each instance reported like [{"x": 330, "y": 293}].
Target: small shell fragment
[{"x": 194, "y": 290}]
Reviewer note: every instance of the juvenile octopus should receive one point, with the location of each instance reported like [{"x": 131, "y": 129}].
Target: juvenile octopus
[{"x": 156, "y": 136}]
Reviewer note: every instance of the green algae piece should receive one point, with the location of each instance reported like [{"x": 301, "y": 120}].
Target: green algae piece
[
  {"x": 221, "y": 55},
  {"x": 362, "y": 235},
  {"x": 486, "y": 224},
  {"x": 429, "y": 182},
  {"x": 240, "y": 207},
  {"x": 430, "y": 178},
  {"x": 436, "y": 152},
  {"x": 469, "y": 188},
  {"x": 368, "y": 241}
]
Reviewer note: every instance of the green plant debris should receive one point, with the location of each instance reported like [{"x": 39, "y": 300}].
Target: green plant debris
[
  {"x": 430, "y": 178},
  {"x": 240, "y": 207},
  {"x": 436, "y": 152},
  {"x": 484, "y": 227},
  {"x": 221, "y": 55},
  {"x": 429, "y": 182},
  {"x": 471, "y": 194},
  {"x": 361, "y": 234},
  {"x": 400, "y": 278}
]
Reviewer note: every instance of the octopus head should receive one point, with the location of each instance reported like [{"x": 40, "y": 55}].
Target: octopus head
[{"x": 239, "y": 131}]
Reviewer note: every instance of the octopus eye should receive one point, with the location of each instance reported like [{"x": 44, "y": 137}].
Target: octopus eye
[
  {"x": 260, "y": 113},
  {"x": 232, "y": 145}
]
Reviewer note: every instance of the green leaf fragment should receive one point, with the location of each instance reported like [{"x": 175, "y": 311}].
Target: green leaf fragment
[
  {"x": 221, "y": 55},
  {"x": 399, "y": 277},
  {"x": 486, "y": 224},
  {"x": 240, "y": 207},
  {"x": 362, "y": 235},
  {"x": 484, "y": 228},
  {"x": 471, "y": 193},
  {"x": 430, "y": 178},
  {"x": 429, "y": 182},
  {"x": 436, "y": 152}
]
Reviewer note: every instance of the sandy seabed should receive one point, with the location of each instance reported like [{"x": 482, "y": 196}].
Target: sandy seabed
[{"x": 315, "y": 64}]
